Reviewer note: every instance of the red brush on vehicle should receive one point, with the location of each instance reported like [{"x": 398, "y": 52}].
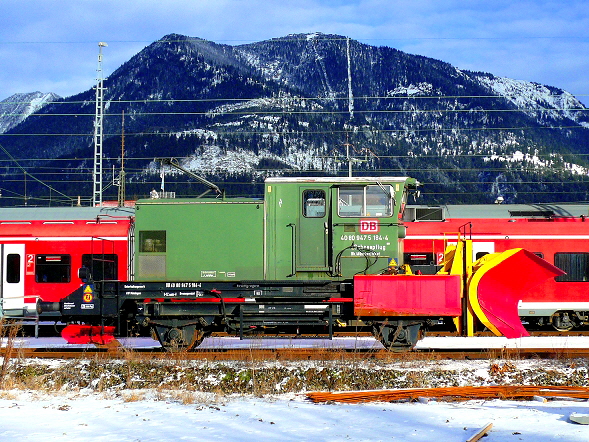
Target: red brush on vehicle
[{"x": 88, "y": 334}]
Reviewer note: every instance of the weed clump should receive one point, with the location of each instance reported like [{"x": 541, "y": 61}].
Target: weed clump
[{"x": 131, "y": 376}]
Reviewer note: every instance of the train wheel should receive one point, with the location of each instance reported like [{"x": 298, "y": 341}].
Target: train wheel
[
  {"x": 179, "y": 338},
  {"x": 563, "y": 321},
  {"x": 400, "y": 336}
]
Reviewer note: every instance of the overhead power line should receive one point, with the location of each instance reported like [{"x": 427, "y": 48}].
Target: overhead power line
[
  {"x": 314, "y": 112},
  {"x": 31, "y": 176},
  {"x": 298, "y": 132},
  {"x": 301, "y": 98}
]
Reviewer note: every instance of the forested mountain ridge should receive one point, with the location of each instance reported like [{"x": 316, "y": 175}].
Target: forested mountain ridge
[{"x": 289, "y": 105}]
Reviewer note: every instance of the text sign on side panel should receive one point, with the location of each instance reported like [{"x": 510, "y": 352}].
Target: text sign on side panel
[
  {"x": 30, "y": 264},
  {"x": 369, "y": 226}
]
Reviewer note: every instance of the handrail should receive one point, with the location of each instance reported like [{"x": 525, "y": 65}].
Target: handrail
[{"x": 294, "y": 249}]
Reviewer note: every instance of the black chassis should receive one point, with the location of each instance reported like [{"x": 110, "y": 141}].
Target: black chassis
[{"x": 238, "y": 307}]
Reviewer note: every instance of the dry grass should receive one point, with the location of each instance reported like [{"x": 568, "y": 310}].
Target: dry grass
[
  {"x": 8, "y": 332},
  {"x": 174, "y": 377},
  {"x": 133, "y": 396},
  {"x": 8, "y": 395}
]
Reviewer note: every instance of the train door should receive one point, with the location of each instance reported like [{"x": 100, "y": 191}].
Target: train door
[
  {"x": 312, "y": 246},
  {"x": 482, "y": 248},
  {"x": 12, "y": 283}
]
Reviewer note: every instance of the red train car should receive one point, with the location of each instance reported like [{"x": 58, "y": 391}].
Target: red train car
[
  {"x": 557, "y": 233},
  {"x": 41, "y": 250}
]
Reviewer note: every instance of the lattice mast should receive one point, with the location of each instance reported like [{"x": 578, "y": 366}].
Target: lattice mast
[
  {"x": 98, "y": 131},
  {"x": 121, "y": 198}
]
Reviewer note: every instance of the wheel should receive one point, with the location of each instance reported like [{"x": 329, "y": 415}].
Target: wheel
[
  {"x": 400, "y": 336},
  {"x": 179, "y": 338},
  {"x": 563, "y": 321}
]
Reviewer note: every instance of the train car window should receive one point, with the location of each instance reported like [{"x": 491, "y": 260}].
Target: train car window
[
  {"x": 365, "y": 201},
  {"x": 103, "y": 267},
  {"x": 13, "y": 268},
  {"x": 539, "y": 254},
  {"x": 314, "y": 203},
  {"x": 351, "y": 201},
  {"x": 52, "y": 268},
  {"x": 378, "y": 201},
  {"x": 419, "y": 259},
  {"x": 152, "y": 241},
  {"x": 576, "y": 266}
]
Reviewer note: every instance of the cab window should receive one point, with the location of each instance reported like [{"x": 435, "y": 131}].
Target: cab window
[
  {"x": 374, "y": 200},
  {"x": 314, "y": 203}
]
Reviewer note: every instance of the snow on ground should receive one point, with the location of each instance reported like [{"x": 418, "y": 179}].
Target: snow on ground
[
  {"x": 162, "y": 414},
  {"x": 26, "y": 416}
]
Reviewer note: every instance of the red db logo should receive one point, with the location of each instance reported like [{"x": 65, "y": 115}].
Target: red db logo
[{"x": 369, "y": 226}]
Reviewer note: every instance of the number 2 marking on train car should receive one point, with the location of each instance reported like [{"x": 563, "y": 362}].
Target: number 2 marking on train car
[{"x": 30, "y": 264}]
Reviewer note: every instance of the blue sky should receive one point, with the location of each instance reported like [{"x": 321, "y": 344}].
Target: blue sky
[{"x": 52, "y": 45}]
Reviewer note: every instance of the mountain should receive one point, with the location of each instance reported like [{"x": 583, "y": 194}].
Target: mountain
[
  {"x": 17, "y": 107},
  {"x": 290, "y": 105}
]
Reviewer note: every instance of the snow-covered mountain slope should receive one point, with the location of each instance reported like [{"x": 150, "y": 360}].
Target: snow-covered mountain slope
[{"x": 18, "y": 107}]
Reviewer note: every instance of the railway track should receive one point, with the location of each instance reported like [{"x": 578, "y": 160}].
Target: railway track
[
  {"x": 292, "y": 354},
  {"x": 289, "y": 348}
]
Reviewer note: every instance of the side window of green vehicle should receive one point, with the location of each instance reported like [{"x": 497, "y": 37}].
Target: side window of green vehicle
[
  {"x": 152, "y": 241},
  {"x": 355, "y": 201},
  {"x": 313, "y": 203}
]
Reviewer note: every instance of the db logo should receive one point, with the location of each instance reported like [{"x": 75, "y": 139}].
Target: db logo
[{"x": 369, "y": 226}]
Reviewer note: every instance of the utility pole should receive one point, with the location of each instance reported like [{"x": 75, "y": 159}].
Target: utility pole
[
  {"x": 348, "y": 157},
  {"x": 121, "y": 198},
  {"x": 98, "y": 131},
  {"x": 350, "y": 106}
]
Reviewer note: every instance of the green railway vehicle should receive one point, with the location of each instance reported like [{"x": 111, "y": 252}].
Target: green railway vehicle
[
  {"x": 315, "y": 255},
  {"x": 304, "y": 229}
]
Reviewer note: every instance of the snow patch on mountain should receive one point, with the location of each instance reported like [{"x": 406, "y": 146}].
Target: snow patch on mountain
[
  {"x": 412, "y": 89},
  {"x": 556, "y": 161},
  {"x": 17, "y": 107},
  {"x": 533, "y": 97},
  {"x": 216, "y": 160},
  {"x": 282, "y": 103}
]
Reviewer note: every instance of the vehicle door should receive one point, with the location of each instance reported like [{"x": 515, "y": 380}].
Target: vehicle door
[
  {"x": 12, "y": 285},
  {"x": 313, "y": 236}
]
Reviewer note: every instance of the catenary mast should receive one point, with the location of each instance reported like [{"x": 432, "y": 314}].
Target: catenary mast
[{"x": 98, "y": 131}]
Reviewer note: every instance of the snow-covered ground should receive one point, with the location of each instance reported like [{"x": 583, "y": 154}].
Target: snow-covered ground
[
  {"x": 100, "y": 400},
  {"x": 152, "y": 416}
]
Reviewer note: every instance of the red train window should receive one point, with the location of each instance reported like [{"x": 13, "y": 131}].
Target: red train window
[
  {"x": 102, "y": 266},
  {"x": 576, "y": 266},
  {"x": 52, "y": 268}
]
